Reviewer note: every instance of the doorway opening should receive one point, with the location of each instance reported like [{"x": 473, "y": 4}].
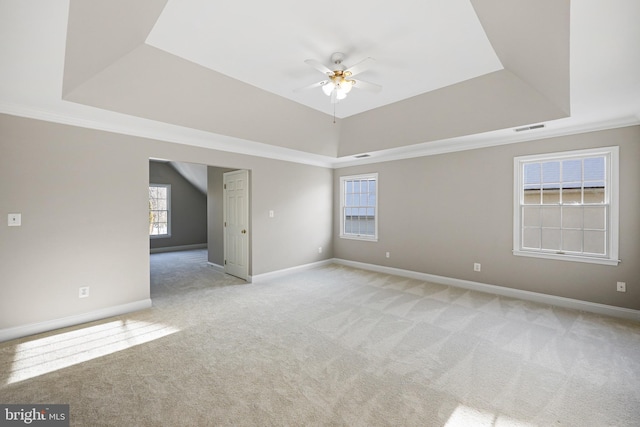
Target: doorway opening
[{"x": 191, "y": 214}]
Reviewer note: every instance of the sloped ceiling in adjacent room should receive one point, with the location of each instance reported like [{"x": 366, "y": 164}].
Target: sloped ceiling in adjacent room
[{"x": 524, "y": 79}]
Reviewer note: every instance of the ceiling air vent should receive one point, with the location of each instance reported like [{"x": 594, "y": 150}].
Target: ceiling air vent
[
  {"x": 362, "y": 156},
  {"x": 532, "y": 127}
]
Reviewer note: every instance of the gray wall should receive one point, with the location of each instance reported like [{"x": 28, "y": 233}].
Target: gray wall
[
  {"x": 86, "y": 225},
  {"x": 188, "y": 208},
  {"x": 83, "y": 195},
  {"x": 440, "y": 214}
]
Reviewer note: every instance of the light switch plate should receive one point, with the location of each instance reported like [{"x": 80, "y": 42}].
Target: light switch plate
[{"x": 15, "y": 220}]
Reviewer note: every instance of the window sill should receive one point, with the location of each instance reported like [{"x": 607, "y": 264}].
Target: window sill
[
  {"x": 564, "y": 257},
  {"x": 160, "y": 236},
  {"x": 355, "y": 237}
]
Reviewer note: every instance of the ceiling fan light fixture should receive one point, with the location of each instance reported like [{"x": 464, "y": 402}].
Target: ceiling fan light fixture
[
  {"x": 346, "y": 86},
  {"x": 328, "y": 88},
  {"x": 338, "y": 83}
]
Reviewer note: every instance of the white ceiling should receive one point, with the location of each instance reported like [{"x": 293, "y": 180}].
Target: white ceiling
[
  {"x": 418, "y": 46},
  {"x": 265, "y": 43}
]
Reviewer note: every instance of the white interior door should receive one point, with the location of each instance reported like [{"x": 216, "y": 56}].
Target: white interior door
[{"x": 236, "y": 223}]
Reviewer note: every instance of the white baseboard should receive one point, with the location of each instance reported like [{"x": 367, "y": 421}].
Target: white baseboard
[
  {"x": 178, "y": 248},
  {"x": 49, "y": 325},
  {"x": 216, "y": 267},
  {"x": 278, "y": 273},
  {"x": 592, "y": 307}
]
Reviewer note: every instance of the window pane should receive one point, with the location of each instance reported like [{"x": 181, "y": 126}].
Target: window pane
[
  {"x": 371, "y": 227},
  {"x": 550, "y": 195},
  {"x": 594, "y": 242},
  {"x": 531, "y": 216},
  {"x": 572, "y": 240},
  {"x": 594, "y": 192},
  {"x": 532, "y": 174},
  {"x": 594, "y": 217},
  {"x": 551, "y": 172},
  {"x": 532, "y": 197},
  {"x": 571, "y": 194},
  {"x": 348, "y": 225},
  {"x": 572, "y": 171},
  {"x": 362, "y": 226},
  {"x": 594, "y": 169},
  {"x": 572, "y": 217},
  {"x": 550, "y": 239},
  {"x": 531, "y": 238},
  {"x": 551, "y": 216}
]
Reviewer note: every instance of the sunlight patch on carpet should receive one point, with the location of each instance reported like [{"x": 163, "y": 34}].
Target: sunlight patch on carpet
[
  {"x": 465, "y": 416},
  {"x": 45, "y": 355}
]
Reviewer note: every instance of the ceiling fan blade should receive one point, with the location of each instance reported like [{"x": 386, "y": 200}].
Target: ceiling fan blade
[
  {"x": 311, "y": 86},
  {"x": 319, "y": 66},
  {"x": 361, "y": 66},
  {"x": 371, "y": 87}
]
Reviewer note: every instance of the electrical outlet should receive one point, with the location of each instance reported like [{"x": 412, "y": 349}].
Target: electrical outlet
[
  {"x": 320, "y": 250},
  {"x": 14, "y": 220},
  {"x": 476, "y": 266},
  {"x": 621, "y": 287},
  {"x": 83, "y": 292},
  {"x": 271, "y": 214},
  {"x": 388, "y": 254}
]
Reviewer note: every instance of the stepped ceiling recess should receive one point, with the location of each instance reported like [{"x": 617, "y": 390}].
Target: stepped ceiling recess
[{"x": 456, "y": 74}]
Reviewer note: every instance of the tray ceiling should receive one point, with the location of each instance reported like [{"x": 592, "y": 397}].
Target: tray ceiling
[{"x": 456, "y": 75}]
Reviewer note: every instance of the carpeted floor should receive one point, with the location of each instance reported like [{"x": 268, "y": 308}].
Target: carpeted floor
[{"x": 330, "y": 346}]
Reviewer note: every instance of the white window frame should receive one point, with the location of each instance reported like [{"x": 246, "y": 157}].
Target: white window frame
[
  {"x": 343, "y": 234},
  {"x": 164, "y": 236},
  {"x": 611, "y": 155}
]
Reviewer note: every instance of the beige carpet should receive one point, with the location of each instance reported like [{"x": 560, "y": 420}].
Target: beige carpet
[{"x": 330, "y": 346}]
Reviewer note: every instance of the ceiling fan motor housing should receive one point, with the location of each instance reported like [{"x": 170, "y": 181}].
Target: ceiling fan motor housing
[{"x": 337, "y": 58}]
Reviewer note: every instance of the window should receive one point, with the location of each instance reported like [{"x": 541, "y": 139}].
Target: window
[
  {"x": 359, "y": 207},
  {"x": 566, "y": 206},
  {"x": 160, "y": 210}
]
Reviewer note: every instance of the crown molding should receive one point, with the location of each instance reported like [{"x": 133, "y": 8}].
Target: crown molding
[
  {"x": 150, "y": 129},
  {"x": 488, "y": 139}
]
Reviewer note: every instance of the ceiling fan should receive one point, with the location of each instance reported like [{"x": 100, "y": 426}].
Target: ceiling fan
[{"x": 340, "y": 79}]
